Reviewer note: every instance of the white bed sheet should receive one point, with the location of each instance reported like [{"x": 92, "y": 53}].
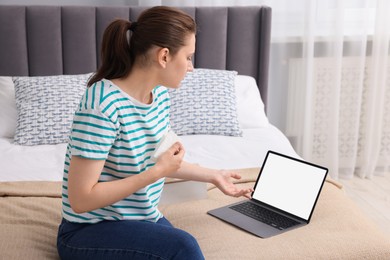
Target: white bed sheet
[
  {"x": 45, "y": 162},
  {"x": 225, "y": 152}
]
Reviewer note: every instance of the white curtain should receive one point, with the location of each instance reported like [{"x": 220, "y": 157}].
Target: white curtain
[
  {"x": 329, "y": 88},
  {"x": 336, "y": 87}
]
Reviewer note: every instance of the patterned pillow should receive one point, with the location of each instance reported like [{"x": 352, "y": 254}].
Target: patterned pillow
[
  {"x": 205, "y": 104},
  {"x": 45, "y": 107}
]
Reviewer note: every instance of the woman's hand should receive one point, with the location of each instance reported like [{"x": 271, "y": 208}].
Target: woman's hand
[
  {"x": 223, "y": 181},
  {"x": 170, "y": 160}
]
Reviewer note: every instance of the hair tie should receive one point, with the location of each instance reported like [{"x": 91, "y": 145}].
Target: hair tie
[{"x": 133, "y": 26}]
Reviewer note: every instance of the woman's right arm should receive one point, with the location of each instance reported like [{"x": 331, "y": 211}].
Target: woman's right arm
[{"x": 87, "y": 194}]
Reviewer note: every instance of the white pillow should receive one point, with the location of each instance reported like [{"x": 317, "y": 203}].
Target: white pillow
[
  {"x": 205, "y": 103},
  {"x": 7, "y": 108},
  {"x": 250, "y": 107},
  {"x": 45, "y": 107}
]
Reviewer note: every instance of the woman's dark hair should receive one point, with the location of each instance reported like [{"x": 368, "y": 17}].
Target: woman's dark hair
[{"x": 161, "y": 26}]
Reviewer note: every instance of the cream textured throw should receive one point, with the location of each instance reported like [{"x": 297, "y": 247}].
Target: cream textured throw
[{"x": 31, "y": 212}]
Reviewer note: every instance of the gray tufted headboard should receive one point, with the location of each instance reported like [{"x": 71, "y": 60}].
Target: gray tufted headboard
[{"x": 53, "y": 40}]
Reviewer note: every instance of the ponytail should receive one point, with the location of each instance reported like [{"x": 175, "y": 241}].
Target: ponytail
[
  {"x": 117, "y": 57},
  {"x": 162, "y": 26}
]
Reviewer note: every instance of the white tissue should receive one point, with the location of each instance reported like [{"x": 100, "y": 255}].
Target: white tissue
[{"x": 165, "y": 143}]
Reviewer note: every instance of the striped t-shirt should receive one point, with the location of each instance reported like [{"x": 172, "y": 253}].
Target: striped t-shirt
[{"x": 112, "y": 126}]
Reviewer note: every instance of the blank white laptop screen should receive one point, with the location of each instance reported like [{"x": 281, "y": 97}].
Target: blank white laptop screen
[{"x": 294, "y": 193}]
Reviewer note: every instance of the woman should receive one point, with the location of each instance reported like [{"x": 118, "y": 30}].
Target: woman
[{"x": 111, "y": 185}]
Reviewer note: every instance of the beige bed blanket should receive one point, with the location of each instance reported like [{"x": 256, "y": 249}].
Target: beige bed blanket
[{"x": 31, "y": 212}]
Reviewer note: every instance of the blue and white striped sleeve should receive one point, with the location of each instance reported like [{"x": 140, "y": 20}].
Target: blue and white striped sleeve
[{"x": 92, "y": 135}]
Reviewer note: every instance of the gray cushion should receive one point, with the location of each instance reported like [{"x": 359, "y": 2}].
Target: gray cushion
[
  {"x": 205, "y": 104},
  {"x": 45, "y": 107}
]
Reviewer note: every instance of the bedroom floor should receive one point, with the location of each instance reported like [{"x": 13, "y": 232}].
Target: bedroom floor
[{"x": 373, "y": 197}]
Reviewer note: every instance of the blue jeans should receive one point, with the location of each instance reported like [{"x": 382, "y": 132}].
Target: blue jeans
[{"x": 125, "y": 239}]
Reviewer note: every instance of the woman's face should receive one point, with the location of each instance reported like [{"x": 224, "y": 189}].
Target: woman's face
[{"x": 180, "y": 64}]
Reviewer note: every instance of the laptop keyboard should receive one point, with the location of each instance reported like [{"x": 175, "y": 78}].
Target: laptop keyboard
[{"x": 264, "y": 215}]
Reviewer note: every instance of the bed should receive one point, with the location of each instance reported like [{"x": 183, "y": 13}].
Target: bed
[{"x": 46, "y": 55}]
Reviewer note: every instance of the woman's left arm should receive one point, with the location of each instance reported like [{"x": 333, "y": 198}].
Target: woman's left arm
[{"x": 222, "y": 179}]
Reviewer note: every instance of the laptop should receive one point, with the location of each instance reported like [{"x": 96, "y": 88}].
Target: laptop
[{"x": 284, "y": 197}]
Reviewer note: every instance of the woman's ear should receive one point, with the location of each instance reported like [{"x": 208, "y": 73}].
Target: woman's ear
[{"x": 163, "y": 56}]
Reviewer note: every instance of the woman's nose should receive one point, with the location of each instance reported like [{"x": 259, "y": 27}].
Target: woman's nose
[{"x": 190, "y": 67}]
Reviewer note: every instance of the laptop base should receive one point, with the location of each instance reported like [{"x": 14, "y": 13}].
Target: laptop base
[{"x": 246, "y": 223}]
